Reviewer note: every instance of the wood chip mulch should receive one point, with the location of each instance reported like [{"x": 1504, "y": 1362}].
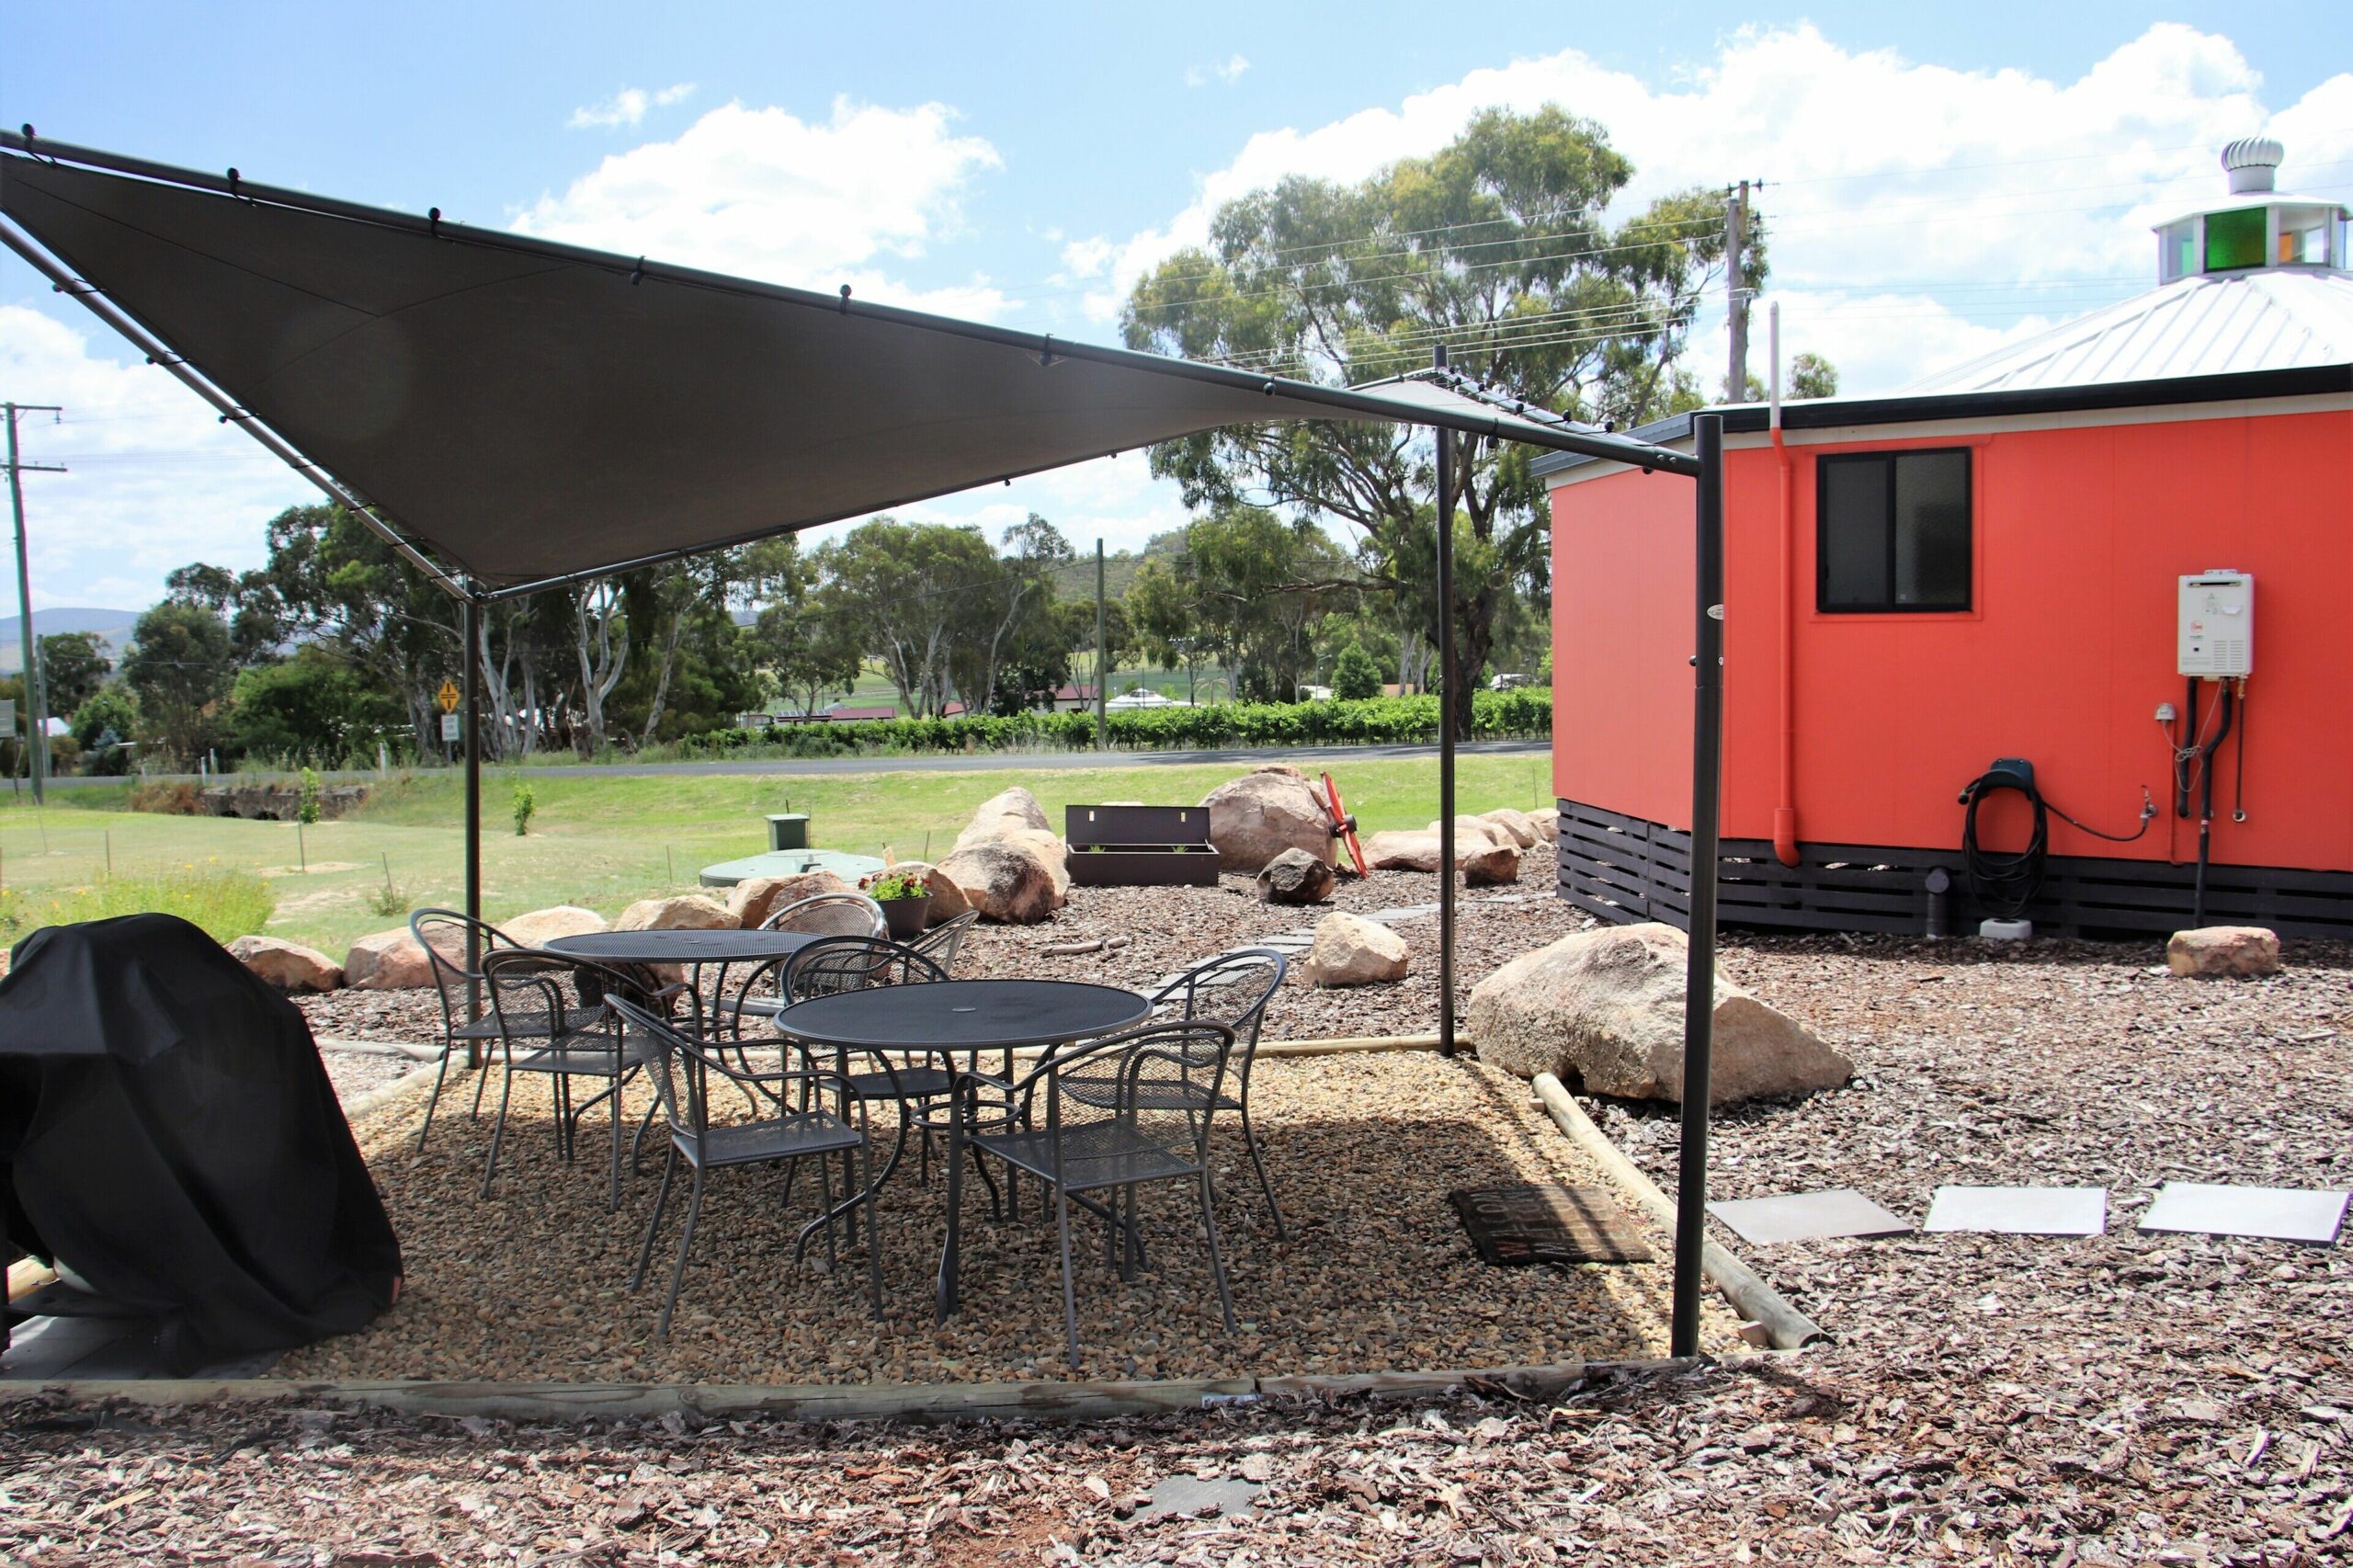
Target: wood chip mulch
[{"x": 2123, "y": 1398}]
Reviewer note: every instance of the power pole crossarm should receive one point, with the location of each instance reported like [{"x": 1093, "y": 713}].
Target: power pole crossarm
[{"x": 36, "y": 704}]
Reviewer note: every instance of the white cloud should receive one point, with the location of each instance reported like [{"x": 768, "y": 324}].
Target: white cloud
[
  {"x": 1911, "y": 208},
  {"x": 1228, "y": 70},
  {"x": 628, "y": 106},
  {"x": 760, "y": 193},
  {"x": 154, "y": 480}
]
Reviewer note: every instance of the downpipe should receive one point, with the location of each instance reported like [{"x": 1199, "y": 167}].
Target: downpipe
[{"x": 1785, "y": 812}]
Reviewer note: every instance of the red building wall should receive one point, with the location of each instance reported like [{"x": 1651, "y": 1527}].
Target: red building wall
[{"x": 2080, "y": 533}]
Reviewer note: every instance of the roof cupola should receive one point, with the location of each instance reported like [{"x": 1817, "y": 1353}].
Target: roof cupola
[{"x": 2256, "y": 228}]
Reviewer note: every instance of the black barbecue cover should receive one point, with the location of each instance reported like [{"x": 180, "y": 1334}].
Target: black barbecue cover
[{"x": 168, "y": 1133}]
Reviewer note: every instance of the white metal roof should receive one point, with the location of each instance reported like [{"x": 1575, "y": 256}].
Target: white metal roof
[{"x": 2271, "y": 319}]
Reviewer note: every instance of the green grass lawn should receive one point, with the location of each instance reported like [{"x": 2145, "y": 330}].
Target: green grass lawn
[{"x": 604, "y": 842}]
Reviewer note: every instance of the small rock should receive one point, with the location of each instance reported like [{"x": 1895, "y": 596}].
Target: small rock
[
  {"x": 1295, "y": 877},
  {"x": 290, "y": 966},
  {"x": 2223, "y": 950},
  {"x": 1519, "y": 825},
  {"x": 1351, "y": 951},
  {"x": 390, "y": 961}
]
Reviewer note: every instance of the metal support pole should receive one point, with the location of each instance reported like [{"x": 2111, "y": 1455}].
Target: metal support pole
[
  {"x": 1706, "y": 787},
  {"x": 36, "y": 697},
  {"x": 1448, "y": 700},
  {"x": 470, "y": 625},
  {"x": 1102, "y": 676}
]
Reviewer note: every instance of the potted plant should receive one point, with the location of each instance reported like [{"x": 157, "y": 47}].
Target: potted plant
[{"x": 905, "y": 899}]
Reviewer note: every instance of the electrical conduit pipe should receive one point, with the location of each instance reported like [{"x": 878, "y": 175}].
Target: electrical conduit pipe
[{"x": 1785, "y": 811}]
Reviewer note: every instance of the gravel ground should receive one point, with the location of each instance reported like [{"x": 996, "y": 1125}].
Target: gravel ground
[
  {"x": 1377, "y": 1276},
  {"x": 356, "y": 1073},
  {"x": 2125, "y": 1398}
]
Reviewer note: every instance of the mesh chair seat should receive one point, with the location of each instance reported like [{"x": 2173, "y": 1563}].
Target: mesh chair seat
[
  {"x": 910, "y": 1083},
  {"x": 1106, "y": 1094},
  {"x": 535, "y": 1025},
  {"x": 1093, "y": 1154},
  {"x": 783, "y": 1138},
  {"x": 589, "y": 1060}
]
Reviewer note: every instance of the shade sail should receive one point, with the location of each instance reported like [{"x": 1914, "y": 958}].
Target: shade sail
[{"x": 525, "y": 412}]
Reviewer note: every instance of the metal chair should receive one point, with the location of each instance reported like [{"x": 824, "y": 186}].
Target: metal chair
[
  {"x": 856, "y": 963},
  {"x": 527, "y": 990},
  {"x": 821, "y": 915},
  {"x": 458, "y": 987},
  {"x": 1232, "y": 989},
  {"x": 681, "y": 1070},
  {"x": 943, "y": 941},
  {"x": 1167, "y": 1078}
]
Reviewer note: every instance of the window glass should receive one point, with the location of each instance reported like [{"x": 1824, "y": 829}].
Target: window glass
[
  {"x": 2235, "y": 240},
  {"x": 1853, "y": 533},
  {"x": 2178, "y": 252},
  {"x": 1932, "y": 528},
  {"x": 2306, "y": 242},
  {"x": 1895, "y": 531}
]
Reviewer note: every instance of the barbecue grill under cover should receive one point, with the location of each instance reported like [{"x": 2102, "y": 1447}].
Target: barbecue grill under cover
[{"x": 168, "y": 1133}]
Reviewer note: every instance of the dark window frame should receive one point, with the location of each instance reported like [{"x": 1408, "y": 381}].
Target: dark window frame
[{"x": 1890, "y": 457}]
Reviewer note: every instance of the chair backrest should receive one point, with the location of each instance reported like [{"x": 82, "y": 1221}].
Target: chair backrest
[
  {"x": 830, "y": 914},
  {"x": 942, "y": 942},
  {"x": 1164, "y": 1079},
  {"x": 852, "y": 963},
  {"x": 678, "y": 1068},
  {"x": 1232, "y": 989},
  {"x": 450, "y": 977}
]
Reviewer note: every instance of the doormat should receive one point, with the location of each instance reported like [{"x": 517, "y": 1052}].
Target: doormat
[{"x": 1547, "y": 1223}]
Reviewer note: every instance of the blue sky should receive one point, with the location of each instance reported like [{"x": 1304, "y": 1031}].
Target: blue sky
[{"x": 1939, "y": 179}]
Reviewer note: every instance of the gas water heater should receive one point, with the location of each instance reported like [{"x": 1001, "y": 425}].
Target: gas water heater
[{"x": 2216, "y": 626}]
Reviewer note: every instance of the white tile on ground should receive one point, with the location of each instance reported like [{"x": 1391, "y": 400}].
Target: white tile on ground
[
  {"x": 1803, "y": 1216},
  {"x": 2281, "y": 1213},
  {"x": 2021, "y": 1210}
]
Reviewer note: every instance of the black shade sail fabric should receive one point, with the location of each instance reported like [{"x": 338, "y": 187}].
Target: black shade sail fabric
[
  {"x": 168, "y": 1133},
  {"x": 525, "y": 412}
]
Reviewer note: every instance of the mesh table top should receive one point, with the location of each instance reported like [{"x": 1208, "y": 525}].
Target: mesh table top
[
  {"x": 681, "y": 947},
  {"x": 964, "y": 1014}
]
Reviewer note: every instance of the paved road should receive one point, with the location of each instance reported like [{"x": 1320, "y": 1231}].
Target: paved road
[{"x": 984, "y": 762}]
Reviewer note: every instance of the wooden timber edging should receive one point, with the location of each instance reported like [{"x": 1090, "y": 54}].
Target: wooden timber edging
[
  {"x": 1785, "y": 1327},
  {"x": 920, "y": 1403}
]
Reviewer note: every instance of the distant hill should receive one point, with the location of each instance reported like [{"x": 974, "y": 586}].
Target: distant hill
[{"x": 113, "y": 626}]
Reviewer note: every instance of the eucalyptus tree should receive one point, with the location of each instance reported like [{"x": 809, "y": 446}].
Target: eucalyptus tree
[{"x": 1501, "y": 248}]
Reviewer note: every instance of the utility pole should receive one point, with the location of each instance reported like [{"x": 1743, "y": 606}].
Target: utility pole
[
  {"x": 1102, "y": 676},
  {"x": 1736, "y": 242},
  {"x": 36, "y": 707}
]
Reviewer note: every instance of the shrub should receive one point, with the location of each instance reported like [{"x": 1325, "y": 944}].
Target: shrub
[
  {"x": 168, "y": 798},
  {"x": 226, "y": 903},
  {"x": 306, "y": 809},
  {"x": 526, "y": 803}
]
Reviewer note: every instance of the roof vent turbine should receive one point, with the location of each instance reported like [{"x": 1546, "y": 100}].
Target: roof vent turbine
[{"x": 2252, "y": 163}]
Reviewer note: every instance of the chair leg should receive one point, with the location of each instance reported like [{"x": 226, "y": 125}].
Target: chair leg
[
  {"x": 1070, "y": 1291},
  {"x": 613, "y": 1202},
  {"x": 498, "y": 1129},
  {"x": 437, "y": 1079},
  {"x": 1265, "y": 1188},
  {"x": 873, "y": 1229},
  {"x": 944, "y": 1289},
  {"x": 679, "y": 1272},
  {"x": 645, "y": 1253},
  {"x": 1217, "y": 1260},
  {"x": 482, "y": 1082}
]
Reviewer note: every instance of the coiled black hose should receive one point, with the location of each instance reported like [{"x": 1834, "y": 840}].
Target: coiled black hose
[{"x": 2005, "y": 883}]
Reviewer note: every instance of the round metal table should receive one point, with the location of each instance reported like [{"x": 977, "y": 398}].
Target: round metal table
[
  {"x": 964, "y": 1015},
  {"x": 681, "y": 947},
  {"x": 970, "y": 1016}
]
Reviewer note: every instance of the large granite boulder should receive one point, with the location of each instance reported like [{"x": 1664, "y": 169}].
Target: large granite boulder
[
  {"x": 1266, "y": 811},
  {"x": 1548, "y": 825},
  {"x": 685, "y": 912},
  {"x": 541, "y": 926},
  {"x": 1009, "y": 811},
  {"x": 395, "y": 960},
  {"x": 753, "y": 900},
  {"x": 1349, "y": 949},
  {"x": 2223, "y": 951},
  {"x": 290, "y": 966},
  {"x": 1396, "y": 849},
  {"x": 1604, "y": 1010},
  {"x": 947, "y": 900},
  {"x": 1048, "y": 851},
  {"x": 1485, "y": 858},
  {"x": 1007, "y": 883},
  {"x": 1296, "y": 877},
  {"x": 1519, "y": 825}
]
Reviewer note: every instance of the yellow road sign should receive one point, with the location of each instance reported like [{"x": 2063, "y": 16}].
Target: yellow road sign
[{"x": 448, "y": 697}]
